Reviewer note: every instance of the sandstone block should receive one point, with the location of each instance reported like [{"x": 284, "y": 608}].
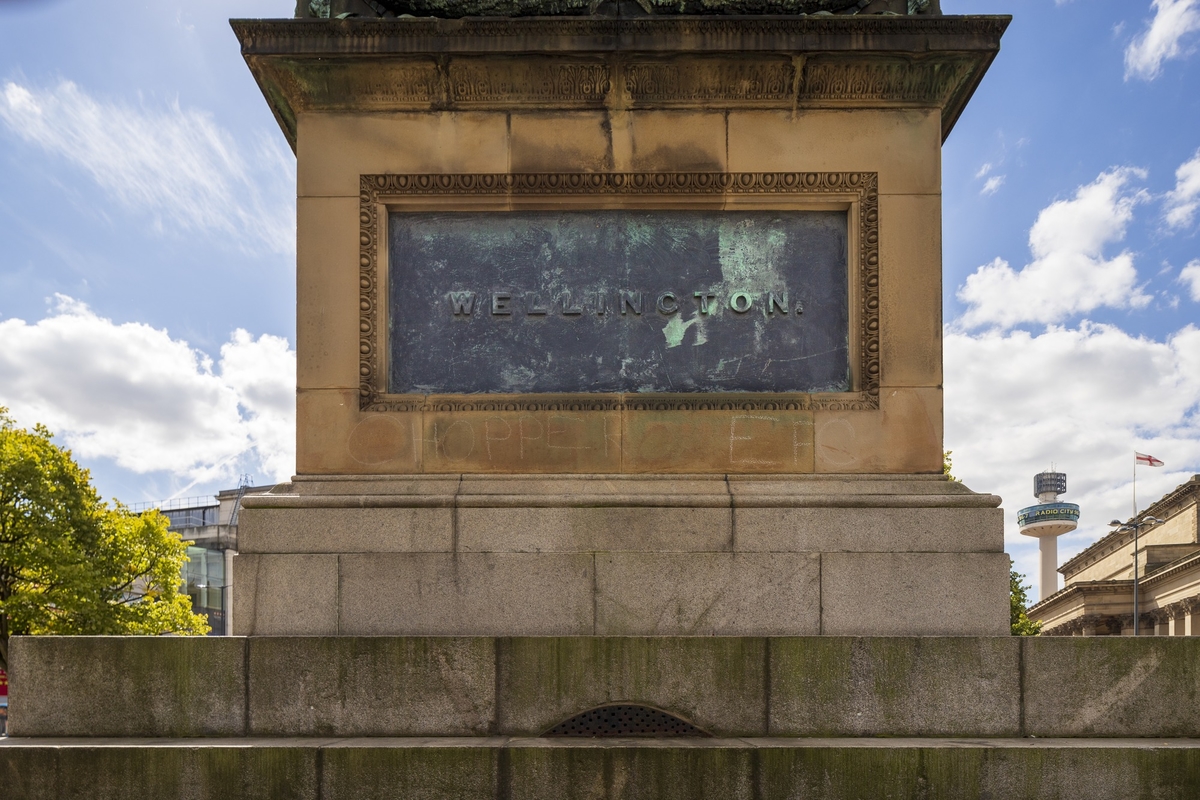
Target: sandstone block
[
  {"x": 905, "y": 435},
  {"x": 676, "y": 141},
  {"x": 327, "y": 292},
  {"x": 910, "y": 280},
  {"x": 902, "y": 145},
  {"x": 332, "y": 150},
  {"x": 557, "y": 142}
]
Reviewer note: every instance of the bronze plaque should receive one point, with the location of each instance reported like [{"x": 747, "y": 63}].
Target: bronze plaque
[{"x": 618, "y": 300}]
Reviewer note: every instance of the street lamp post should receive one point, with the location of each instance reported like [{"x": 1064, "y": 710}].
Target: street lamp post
[{"x": 1135, "y": 526}]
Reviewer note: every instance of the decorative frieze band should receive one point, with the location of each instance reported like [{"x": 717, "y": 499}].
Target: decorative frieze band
[
  {"x": 862, "y": 184},
  {"x": 1146, "y": 619},
  {"x": 377, "y": 190},
  {"x": 474, "y": 82},
  {"x": 681, "y": 82}
]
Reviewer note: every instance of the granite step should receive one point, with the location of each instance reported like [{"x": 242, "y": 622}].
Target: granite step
[{"x": 506, "y": 768}]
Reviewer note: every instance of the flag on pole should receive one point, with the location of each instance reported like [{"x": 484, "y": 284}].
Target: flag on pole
[{"x": 1144, "y": 460}]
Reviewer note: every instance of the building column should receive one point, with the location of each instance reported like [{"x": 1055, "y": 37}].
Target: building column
[
  {"x": 227, "y": 592},
  {"x": 1176, "y": 628},
  {"x": 1162, "y": 627},
  {"x": 1189, "y": 623}
]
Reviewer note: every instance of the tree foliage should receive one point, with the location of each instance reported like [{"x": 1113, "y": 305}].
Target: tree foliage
[
  {"x": 1018, "y": 605},
  {"x": 948, "y": 464},
  {"x": 70, "y": 563}
]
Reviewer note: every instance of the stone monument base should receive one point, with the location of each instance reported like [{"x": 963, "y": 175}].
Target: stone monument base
[
  {"x": 474, "y": 717},
  {"x": 628, "y": 555}
]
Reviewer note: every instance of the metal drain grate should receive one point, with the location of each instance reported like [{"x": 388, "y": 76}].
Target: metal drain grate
[{"x": 625, "y": 720}]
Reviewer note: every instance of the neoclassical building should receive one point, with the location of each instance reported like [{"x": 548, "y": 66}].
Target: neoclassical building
[{"x": 1097, "y": 599}]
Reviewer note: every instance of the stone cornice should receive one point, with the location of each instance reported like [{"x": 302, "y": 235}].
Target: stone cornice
[
  {"x": 1188, "y": 564},
  {"x": 583, "y": 490},
  {"x": 1079, "y": 592},
  {"x": 565, "y": 63},
  {"x": 1179, "y": 498},
  {"x": 457, "y": 9},
  {"x": 1081, "y": 589},
  {"x": 712, "y": 34},
  {"x": 1172, "y": 503}
]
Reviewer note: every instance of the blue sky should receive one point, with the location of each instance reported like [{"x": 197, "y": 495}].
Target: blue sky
[{"x": 146, "y": 216}]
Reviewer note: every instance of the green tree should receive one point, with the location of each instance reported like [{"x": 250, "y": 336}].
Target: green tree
[
  {"x": 70, "y": 563},
  {"x": 948, "y": 464},
  {"x": 1018, "y": 605}
]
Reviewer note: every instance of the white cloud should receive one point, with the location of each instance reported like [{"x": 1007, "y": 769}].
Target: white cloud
[
  {"x": 174, "y": 165},
  {"x": 133, "y": 394},
  {"x": 993, "y": 185},
  {"x": 1189, "y": 276},
  {"x": 1184, "y": 199},
  {"x": 1083, "y": 399},
  {"x": 1069, "y": 273},
  {"x": 984, "y": 170},
  {"x": 1162, "y": 40},
  {"x": 263, "y": 374}
]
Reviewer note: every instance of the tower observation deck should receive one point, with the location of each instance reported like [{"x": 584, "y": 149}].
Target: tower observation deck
[{"x": 1046, "y": 521}]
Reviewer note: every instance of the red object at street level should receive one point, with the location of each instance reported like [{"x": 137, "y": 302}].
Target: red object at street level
[{"x": 3, "y": 683}]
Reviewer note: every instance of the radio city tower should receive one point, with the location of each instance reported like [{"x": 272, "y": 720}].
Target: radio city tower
[{"x": 1046, "y": 521}]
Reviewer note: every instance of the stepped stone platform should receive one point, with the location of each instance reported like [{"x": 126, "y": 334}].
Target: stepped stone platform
[
  {"x": 592, "y": 554},
  {"x": 468, "y": 717}
]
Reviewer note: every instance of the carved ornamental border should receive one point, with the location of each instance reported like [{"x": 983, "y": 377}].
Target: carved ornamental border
[
  {"x": 373, "y": 36},
  {"x": 376, "y": 190}
]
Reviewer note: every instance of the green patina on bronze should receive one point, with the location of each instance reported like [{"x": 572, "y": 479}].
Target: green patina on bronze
[{"x": 542, "y": 8}]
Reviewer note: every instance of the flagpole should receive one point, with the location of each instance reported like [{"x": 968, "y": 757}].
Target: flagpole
[{"x": 1135, "y": 525}]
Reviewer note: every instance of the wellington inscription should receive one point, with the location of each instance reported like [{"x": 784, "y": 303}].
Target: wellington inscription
[{"x": 618, "y": 301}]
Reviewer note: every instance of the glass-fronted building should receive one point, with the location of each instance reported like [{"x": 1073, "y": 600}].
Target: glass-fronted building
[{"x": 210, "y": 524}]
